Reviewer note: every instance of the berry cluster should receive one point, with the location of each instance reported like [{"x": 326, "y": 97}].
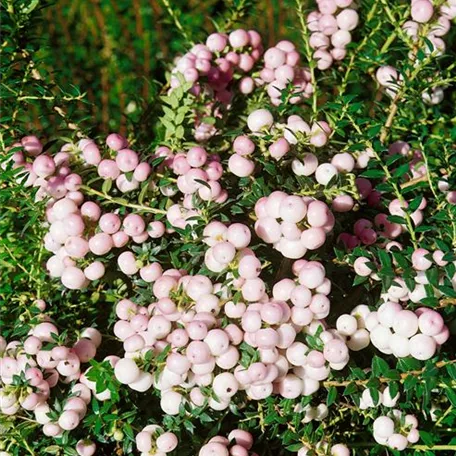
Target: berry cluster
[
  {"x": 399, "y": 290},
  {"x": 402, "y": 333},
  {"x": 199, "y": 173},
  {"x": 331, "y": 25},
  {"x": 384, "y": 398},
  {"x": 277, "y": 141},
  {"x": 293, "y": 224},
  {"x": 238, "y": 443},
  {"x": 367, "y": 232},
  {"x": 423, "y": 12},
  {"x": 122, "y": 164},
  {"x": 397, "y": 430},
  {"x": 215, "y": 69},
  {"x": 203, "y": 338},
  {"x": 153, "y": 440},
  {"x": 281, "y": 69},
  {"x": 31, "y": 368},
  {"x": 77, "y": 232},
  {"x": 352, "y": 327}
]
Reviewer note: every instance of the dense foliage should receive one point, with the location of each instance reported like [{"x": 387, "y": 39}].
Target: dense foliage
[{"x": 261, "y": 259}]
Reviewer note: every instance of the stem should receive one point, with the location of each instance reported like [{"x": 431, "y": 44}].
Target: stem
[
  {"x": 308, "y": 51},
  {"x": 176, "y": 20},
  {"x": 121, "y": 201},
  {"x": 415, "y": 373},
  {"x": 433, "y": 448}
]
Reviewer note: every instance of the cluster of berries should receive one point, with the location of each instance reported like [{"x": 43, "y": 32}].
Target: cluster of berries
[
  {"x": 199, "y": 173},
  {"x": 384, "y": 398},
  {"x": 423, "y": 12},
  {"x": 32, "y": 367},
  {"x": 284, "y": 137},
  {"x": 201, "y": 349},
  {"x": 213, "y": 66},
  {"x": 281, "y": 69},
  {"x": 293, "y": 224},
  {"x": 238, "y": 443},
  {"x": 394, "y": 330},
  {"x": 352, "y": 327},
  {"x": 75, "y": 232},
  {"x": 153, "y": 440},
  {"x": 52, "y": 175},
  {"x": 366, "y": 232},
  {"x": 331, "y": 25},
  {"x": 122, "y": 165},
  {"x": 396, "y": 430}
]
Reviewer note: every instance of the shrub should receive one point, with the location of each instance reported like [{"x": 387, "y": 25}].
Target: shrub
[{"x": 273, "y": 272}]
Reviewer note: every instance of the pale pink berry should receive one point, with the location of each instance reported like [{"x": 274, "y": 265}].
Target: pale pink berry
[
  {"x": 127, "y": 263},
  {"x": 274, "y": 58},
  {"x": 259, "y": 120},
  {"x": 422, "y": 347},
  {"x": 325, "y": 173},
  {"x": 43, "y": 166},
  {"x": 126, "y": 371},
  {"x": 313, "y": 238},
  {"x": 116, "y": 142},
  {"x": 109, "y": 223},
  {"x": 100, "y": 244},
  {"x": 216, "y": 42},
  {"x": 95, "y": 270},
  {"x": 430, "y": 323},
  {"x": 239, "y": 38},
  {"x": 69, "y": 420},
  {"x": 142, "y": 172},
  {"x": 108, "y": 169},
  {"x": 422, "y": 11},
  {"x": 134, "y": 225},
  {"x": 167, "y": 442},
  {"x": 386, "y": 75},
  {"x": 347, "y": 19},
  {"x": 91, "y": 211},
  {"x": 73, "y": 278},
  {"x": 240, "y": 166}
]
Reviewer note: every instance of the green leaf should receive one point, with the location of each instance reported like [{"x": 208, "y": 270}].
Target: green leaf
[
  {"x": 379, "y": 367},
  {"x": 332, "y": 395}
]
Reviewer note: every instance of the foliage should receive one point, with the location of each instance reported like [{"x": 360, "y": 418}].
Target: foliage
[{"x": 72, "y": 70}]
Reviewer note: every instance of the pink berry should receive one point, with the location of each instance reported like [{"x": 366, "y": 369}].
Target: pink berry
[
  {"x": 86, "y": 447},
  {"x": 422, "y": 11},
  {"x": 347, "y": 19},
  {"x": 95, "y": 270},
  {"x": 240, "y": 166},
  {"x": 109, "y": 223},
  {"x": 100, "y": 244},
  {"x": 431, "y": 323},
  {"x": 73, "y": 278},
  {"x": 259, "y": 120},
  {"x": 239, "y": 38},
  {"x": 116, "y": 142},
  {"x": 43, "y": 166},
  {"x": 243, "y": 145},
  {"x": 69, "y": 420},
  {"x": 108, "y": 169}
]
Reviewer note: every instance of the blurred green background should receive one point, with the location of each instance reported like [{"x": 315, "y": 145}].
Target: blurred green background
[{"x": 114, "y": 51}]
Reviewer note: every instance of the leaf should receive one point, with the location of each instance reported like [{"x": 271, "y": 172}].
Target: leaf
[
  {"x": 106, "y": 187},
  {"x": 350, "y": 389},
  {"x": 332, "y": 395},
  {"x": 373, "y": 173},
  {"x": 379, "y": 366}
]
